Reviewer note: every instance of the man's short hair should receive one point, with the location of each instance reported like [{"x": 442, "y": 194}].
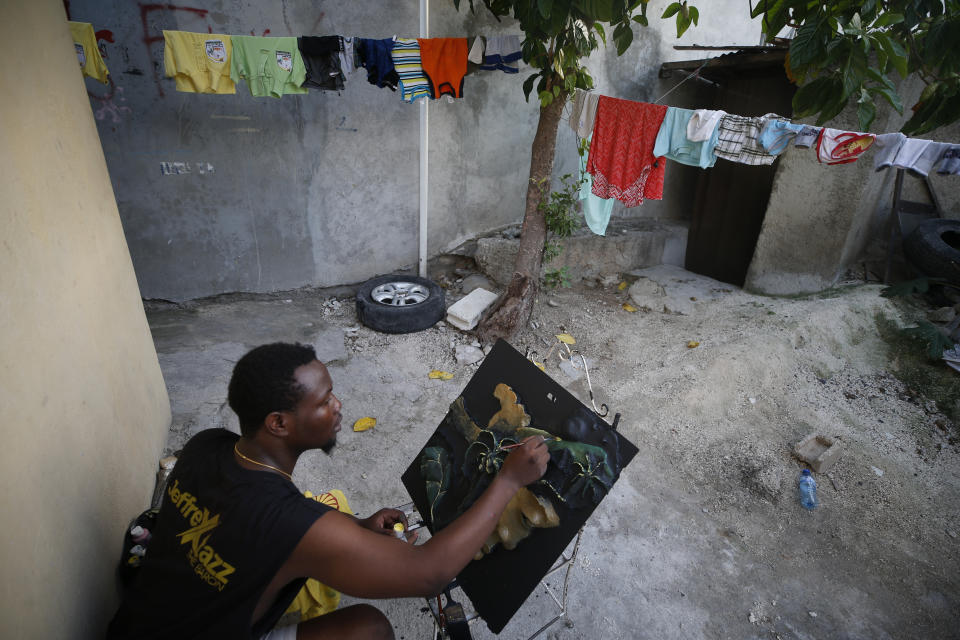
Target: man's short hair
[{"x": 263, "y": 382}]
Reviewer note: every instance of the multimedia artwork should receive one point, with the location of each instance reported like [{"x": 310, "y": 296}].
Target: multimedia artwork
[{"x": 507, "y": 400}]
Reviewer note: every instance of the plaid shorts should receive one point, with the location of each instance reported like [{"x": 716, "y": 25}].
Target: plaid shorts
[{"x": 739, "y": 139}]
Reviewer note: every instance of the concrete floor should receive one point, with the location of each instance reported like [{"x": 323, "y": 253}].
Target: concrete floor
[{"x": 702, "y": 536}]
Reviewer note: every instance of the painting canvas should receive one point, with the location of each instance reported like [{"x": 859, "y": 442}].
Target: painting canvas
[{"x": 507, "y": 399}]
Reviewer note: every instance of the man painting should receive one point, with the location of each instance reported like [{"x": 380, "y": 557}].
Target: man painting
[{"x": 235, "y": 539}]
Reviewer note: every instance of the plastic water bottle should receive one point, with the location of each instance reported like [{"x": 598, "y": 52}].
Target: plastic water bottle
[{"x": 808, "y": 490}]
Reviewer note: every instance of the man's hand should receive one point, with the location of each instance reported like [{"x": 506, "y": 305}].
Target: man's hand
[
  {"x": 527, "y": 463},
  {"x": 382, "y": 522}
]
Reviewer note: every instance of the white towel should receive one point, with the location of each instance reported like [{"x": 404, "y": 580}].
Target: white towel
[{"x": 702, "y": 123}]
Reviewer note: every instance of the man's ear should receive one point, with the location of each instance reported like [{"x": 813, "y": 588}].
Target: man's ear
[{"x": 276, "y": 424}]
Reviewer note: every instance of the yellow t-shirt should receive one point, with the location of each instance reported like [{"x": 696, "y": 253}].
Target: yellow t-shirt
[
  {"x": 85, "y": 42},
  {"x": 198, "y": 62}
]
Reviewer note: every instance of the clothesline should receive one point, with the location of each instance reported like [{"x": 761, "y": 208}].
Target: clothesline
[
  {"x": 274, "y": 66},
  {"x": 629, "y": 142}
]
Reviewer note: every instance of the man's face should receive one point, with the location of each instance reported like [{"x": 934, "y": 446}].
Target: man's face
[{"x": 317, "y": 416}]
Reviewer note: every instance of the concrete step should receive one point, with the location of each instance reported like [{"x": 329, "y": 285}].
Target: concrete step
[{"x": 628, "y": 245}]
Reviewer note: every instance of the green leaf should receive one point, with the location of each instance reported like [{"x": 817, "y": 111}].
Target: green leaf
[
  {"x": 622, "y": 37},
  {"x": 671, "y": 9},
  {"x": 887, "y": 19},
  {"x": 545, "y": 98},
  {"x": 807, "y": 46},
  {"x": 683, "y": 23},
  {"x": 811, "y": 97},
  {"x": 545, "y": 6},
  {"x": 694, "y": 15},
  {"x": 895, "y": 52},
  {"x": 866, "y": 112},
  {"x": 528, "y": 86},
  {"x": 890, "y": 95},
  {"x": 641, "y": 20},
  {"x": 601, "y": 32}
]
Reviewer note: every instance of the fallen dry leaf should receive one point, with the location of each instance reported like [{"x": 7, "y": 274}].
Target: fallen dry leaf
[
  {"x": 364, "y": 423},
  {"x": 693, "y": 344},
  {"x": 539, "y": 365},
  {"x": 622, "y": 286},
  {"x": 566, "y": 338},
  {"x": 629, "y": 307},
  {"x": 436, "y": 374}
]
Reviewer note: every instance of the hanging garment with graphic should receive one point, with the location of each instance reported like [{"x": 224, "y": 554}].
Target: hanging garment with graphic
[
  {"x": 807, "y": 137},
  {"x": 673, "y": 143},
  {"x": 88, "y": 55},
  {"x": 321, "y": 59},
  {"x": 272, "y": 67},
  {"x": 621, "y": 152},
  {"x": 406, "y": 61},
  {"x": 842, "y": 147},
  {"x": 445, "y": 64},
  {"x": 739, "y": 139},
  {"x": 198, "y": 62},
  {"x": 375, "y": 56}
]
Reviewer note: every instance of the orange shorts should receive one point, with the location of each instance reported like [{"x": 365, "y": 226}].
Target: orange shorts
[{"x": 444, "y": 62}]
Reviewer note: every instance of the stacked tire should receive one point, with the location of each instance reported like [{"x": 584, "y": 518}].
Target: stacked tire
[{"x": 934, "y": 248}]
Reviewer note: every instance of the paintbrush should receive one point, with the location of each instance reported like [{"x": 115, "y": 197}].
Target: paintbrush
[{"x": 520, "y": 444}]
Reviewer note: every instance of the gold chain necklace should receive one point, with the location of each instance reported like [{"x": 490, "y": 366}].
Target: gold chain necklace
[{"x": 260, "y": 464}]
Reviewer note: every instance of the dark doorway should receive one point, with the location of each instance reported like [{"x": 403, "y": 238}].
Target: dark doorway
[{"x": 732, "y": 198}]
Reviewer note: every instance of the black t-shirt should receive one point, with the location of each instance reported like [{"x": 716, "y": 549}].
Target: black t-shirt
[{"x": 222, "y": 534}]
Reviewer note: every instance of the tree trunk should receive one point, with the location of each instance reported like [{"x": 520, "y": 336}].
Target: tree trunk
[{"x": 515, "y": 307}]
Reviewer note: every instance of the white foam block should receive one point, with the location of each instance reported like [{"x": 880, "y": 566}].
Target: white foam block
[{"x": 465, "y": 313}]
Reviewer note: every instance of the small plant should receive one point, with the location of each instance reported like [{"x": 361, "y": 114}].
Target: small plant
[
  {"x": 555, "y": 278},
  {"x": 930, "y": 336},
  {"x": 559, "y": 211}
]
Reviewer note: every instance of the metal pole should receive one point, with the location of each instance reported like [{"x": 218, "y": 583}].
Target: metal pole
[{"x": 424, "y": 152}]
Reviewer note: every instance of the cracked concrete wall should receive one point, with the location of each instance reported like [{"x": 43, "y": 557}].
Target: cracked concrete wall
[
  {"x": 822, "y": 220},
  {"x": 322, "y": 189},
  {"x": 85, "y": 408}
]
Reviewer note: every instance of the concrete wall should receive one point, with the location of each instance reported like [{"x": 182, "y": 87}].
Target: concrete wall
[
  {"x": 85, "y": 410},
  {"x": 322, "y": 189},
  {"x": 823, "y": 219}
]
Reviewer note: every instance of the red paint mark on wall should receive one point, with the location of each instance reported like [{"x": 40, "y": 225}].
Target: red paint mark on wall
[
  {"x": 149, "y": 39},
  {"x": 104, "y": 35},
  {"x": 262, "y": 35}
]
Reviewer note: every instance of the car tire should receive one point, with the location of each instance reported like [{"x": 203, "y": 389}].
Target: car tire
[
  {"x": 400, "y": 304},
  {"x": 934, "y": 248}
]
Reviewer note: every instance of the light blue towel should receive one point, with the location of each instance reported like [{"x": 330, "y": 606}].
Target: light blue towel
[
  {"x": 596, "y": 210},
  {"x": 672, "y": 141},
  {"x": 777, "y": 134}
]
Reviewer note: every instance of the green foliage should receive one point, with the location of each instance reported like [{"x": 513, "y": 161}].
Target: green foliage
[
  {"x": 551, "y": 250},
  {"x": 845, "y": 51},
  {"x": 928, "y": 334},
  {"x": 685, "y": 15},
  {"x": 555, "y": 278},
  {"x": 560, "y": 33},
  {"x": 559, "y": 207}
]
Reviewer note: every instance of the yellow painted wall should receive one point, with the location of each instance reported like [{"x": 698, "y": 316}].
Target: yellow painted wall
[{"x": 83, "y": 407}]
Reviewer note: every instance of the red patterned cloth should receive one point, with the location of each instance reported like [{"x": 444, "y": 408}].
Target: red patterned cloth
[{"x": 621, "y": 153}]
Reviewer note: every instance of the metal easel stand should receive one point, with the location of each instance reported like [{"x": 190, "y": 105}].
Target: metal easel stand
[{"x": 451, "y": 622}]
